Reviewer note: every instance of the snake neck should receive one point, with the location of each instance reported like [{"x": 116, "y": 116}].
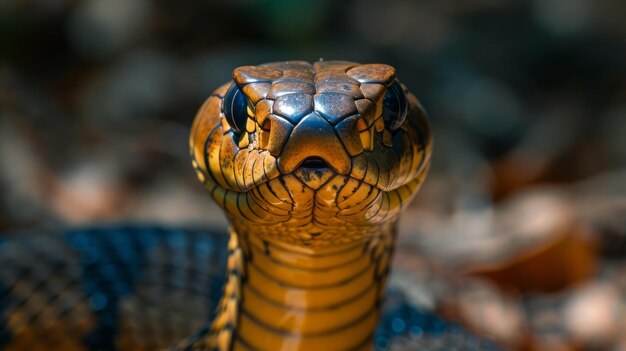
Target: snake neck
[{"x": 283, "y": 297}]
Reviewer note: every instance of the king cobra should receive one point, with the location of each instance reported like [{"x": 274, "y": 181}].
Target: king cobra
[{"x": 313, "y": 164}]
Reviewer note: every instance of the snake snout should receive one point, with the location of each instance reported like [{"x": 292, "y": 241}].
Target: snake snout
[{"x": 314, "y": 141}]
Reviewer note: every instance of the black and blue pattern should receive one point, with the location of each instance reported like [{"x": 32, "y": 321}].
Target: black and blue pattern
[{"x": 146, "y": 287}]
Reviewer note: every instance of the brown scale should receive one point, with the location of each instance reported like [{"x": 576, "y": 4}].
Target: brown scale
[
  {"x": 312, "y": 175},
  {"x": 41, "y": 297}
]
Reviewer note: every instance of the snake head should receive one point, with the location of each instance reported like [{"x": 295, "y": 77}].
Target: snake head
[{"x": 284, "y": 139}]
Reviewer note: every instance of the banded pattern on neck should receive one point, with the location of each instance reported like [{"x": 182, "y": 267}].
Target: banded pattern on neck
[{"x": 281, "y": 297}]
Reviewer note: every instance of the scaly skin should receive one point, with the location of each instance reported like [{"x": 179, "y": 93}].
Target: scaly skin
[
  {"x": 142, "y": 288},
  {"x": 312, "y": 178},
  {"x": 312, "y": 182}
]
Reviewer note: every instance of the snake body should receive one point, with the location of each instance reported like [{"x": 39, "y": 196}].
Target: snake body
[{"x": 312, "y": 164}]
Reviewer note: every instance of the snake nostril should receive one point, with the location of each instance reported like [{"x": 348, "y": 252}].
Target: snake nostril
[{"x": 314, "y": 162}]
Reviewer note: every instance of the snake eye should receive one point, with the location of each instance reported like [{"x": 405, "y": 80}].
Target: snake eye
[
  {"x": 394, "y": 107},
  {"x": 236, "y": 108}
]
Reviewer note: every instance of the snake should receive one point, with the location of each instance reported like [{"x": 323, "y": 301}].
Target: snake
[{"x": 312, "y": 165}]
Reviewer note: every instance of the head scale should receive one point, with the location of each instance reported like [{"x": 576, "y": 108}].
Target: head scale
[{"x": 312, "y": 155}]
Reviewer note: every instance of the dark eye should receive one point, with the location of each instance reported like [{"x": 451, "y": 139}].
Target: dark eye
[
  {"x": 236, "y": 108},
  {"x": 394, "y": 107}
]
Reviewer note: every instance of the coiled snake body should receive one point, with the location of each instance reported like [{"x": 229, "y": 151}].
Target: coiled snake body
[{"x": 312, "y": 165}]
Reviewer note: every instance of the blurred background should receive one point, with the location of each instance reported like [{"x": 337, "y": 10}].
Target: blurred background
[{"x": 525, "y": 206}]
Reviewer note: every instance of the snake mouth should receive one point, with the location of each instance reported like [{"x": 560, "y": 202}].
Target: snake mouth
[
  {"x": 315, "y": 163},
  {"x": 314, "y": 172}
]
